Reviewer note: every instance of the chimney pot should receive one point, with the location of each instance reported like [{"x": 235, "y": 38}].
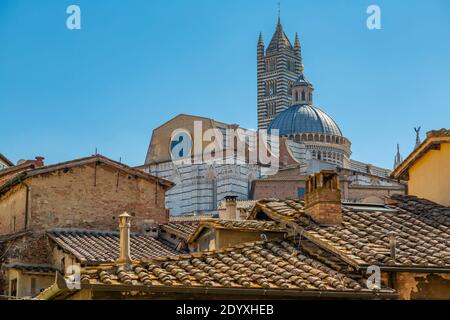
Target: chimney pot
[
  {"x": 323, "y": 198},
  {"x": 393, "y": 245},
  {"x": 124, "y": 249},
  {"x": 231, "y": 208},
  {"x": 39, "y": 161}
]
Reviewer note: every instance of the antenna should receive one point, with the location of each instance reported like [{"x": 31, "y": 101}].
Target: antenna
[{"x": 279, "y": 10}]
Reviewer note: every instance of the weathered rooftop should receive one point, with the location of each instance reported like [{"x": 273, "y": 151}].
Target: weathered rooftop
[
  {"x": 420, "y": 228},
  {"x": 262, "y": 268},
  {"x": 182, "y": 229},
  {"x": 94, "y": 247}
]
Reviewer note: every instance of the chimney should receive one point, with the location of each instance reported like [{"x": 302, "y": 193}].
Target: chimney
[
  {"x": 39, "y": 161},
  {"x": 230, "y": 208},
  {"x": 323, "y": 198},
  {"x": 393, "y": 245},
  {"x": 124, "y": 248},
  {"x": 150, "y": 228}
]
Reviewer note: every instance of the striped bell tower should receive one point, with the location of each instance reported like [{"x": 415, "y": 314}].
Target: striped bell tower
[{"x": 279, "y": 66}]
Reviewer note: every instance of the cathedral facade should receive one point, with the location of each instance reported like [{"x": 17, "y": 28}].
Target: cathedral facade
[
  {"x": 310, "y": 139},
  {"x": 285, "y": 102}
]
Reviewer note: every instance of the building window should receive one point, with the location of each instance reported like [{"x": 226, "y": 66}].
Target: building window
[
  {"x": 214, "y": 194},
  {"x": 271, "y": 88},
  {"x": 13, "y": 288},
  {"x": 271, "y": 109},
  {"x": 291, "y": 65},
  {"x": 303, "y": 95},
  {"x": 271, "y": 64},
  {"x": 33, "y": 286},
  {"x": 296, "y": 95},
  {"x": 300, "y": 192}
]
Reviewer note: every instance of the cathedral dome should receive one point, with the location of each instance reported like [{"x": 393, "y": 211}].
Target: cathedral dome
[{"x": 304, "y": 118}]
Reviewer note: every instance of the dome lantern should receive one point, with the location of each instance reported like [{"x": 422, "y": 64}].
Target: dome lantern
[{"x": 302, "y": 91}]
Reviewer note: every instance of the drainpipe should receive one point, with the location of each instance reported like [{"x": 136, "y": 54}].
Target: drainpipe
[
  {"x": 124, "y": 248},
  {"x": 27, "y": 187}
]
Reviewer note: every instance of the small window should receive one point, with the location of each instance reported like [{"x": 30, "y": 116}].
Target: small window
[
  {"x": 301, "y": 192},
  {"x": 33, "y": 286},
  {"x": 13, "y": 288},
  {"x": 303, "y": 96}
]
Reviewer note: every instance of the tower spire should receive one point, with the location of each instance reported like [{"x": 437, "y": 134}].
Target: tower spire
[
  {"x": 398, "y": 158},
  {"x": 260, "y": 40}
]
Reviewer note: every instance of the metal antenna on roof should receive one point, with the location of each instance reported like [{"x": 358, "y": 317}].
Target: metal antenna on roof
[{"x": 279, "y": 11}]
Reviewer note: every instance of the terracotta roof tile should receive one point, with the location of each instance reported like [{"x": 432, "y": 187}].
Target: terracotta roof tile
[
  {"x": 182, "y": 229},
  {"x": 95, "y": 247},
  {"x": 268, "y": 265},
  {"x": 421, "y": 230}
]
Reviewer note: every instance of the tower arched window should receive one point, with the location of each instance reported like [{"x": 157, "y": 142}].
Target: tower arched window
[
  {"x": 296, "y": 95},
  {"x": 303, "y": 95}
]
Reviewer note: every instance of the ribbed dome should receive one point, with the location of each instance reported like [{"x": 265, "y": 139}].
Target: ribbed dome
[{"x": 303, "y": 118}]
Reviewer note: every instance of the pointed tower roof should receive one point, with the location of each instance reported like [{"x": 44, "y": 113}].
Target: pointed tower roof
[
  {"x": 279, "y": 39},
  {"x": 260, "y": 40},
  {"x": 297, "y": 41},
  {"x": 398, "y": 157},
  {"x": 301, "y": 81}
]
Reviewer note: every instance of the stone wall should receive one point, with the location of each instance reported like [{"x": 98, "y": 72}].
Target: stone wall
[
  {"x": 279, "y": 189},
  {"x": 423, "y": 286},
  {"x": 368, "y": 194},
  {"x": 13, "y": 206},
  {"x": 93, "y": 197}
]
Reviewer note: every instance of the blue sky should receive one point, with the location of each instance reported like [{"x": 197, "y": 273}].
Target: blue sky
[{"x": 137, "y": 63}]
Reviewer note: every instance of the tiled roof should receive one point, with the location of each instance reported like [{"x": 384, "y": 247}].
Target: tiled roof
[
  {"x": 191, "y": 217},
  {"x": 240, "y": 204},
  {"x": 14, "y": 171},
  {"x": 182, "y": 229},
  {"x": 256, "y": 225},
  {"x": 6, "y": 160},
  {"x": 421, "y": 231},
  {"x": 257, "y": 265},
  {"x": 29, "y": 170},
  {"x": 29, "y": 267},
  {"x": 93, "y": 247},
  {"x": 434, "y": 139},
  {"x": 237, "y": 225}
]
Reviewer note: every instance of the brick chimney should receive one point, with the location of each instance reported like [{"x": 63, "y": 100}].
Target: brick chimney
[
  {"x": 124, "y": 248},
  {"x": 39, "y": 161},
  {"x": 323, "y": 198},
  {"x": 230, "y": 207}
]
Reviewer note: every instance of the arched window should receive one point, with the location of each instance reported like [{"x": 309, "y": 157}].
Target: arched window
[
  {"x": 296, "y": 95},
  {"x": 303, "y": 95},
  {"x": 290, "y": 88}
]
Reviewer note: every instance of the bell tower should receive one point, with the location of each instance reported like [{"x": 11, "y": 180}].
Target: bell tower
[{"x": 279, "y": 66}]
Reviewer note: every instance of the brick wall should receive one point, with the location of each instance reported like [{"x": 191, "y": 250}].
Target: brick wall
[
  {"x": 93, "y": 197},
  {"x": 81, "y": 197},
  {"x": 264, "y": 189},
  {"x": 13, "y": 210}
]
